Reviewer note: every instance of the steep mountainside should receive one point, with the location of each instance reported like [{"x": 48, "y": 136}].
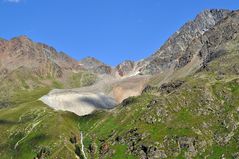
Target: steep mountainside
[
  {"x": 176, "y": 46},
  {"x": 188, "y": 108}
]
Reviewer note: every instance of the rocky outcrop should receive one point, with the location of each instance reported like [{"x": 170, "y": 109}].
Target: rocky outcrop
[
  {"x": 44, "y": 152},
  {"x": 125, "y": 68},
  {"x": 164, "y": 88},
  {"x": 96, "y": 66},
  {"x": 171, "y": 86},
  {"x": 175, "y": 51},
  {"x": 211, "y": 45}
]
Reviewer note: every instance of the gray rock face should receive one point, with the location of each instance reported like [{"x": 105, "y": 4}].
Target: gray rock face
[
  {"x": 211, "y": 44},
  {"x": 176, "y": 46},
  {"x": 125, "y": 67},
  {"x": 96, "y": 66}
]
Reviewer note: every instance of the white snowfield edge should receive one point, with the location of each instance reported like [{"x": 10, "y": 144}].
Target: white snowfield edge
[{"x": 80, "y": 103}]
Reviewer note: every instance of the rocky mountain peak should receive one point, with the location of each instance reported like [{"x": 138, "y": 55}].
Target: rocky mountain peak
[
  {"x": 215, "y": 13},
  {"x": 94, "y": 65},
  {"x": 125, "y": 67},
  {"x": 21, "y": 39},
  {"x": 90, "y": 62},
  {"x": 175, "y": 46},
  {"x": 208, "y": 18},
  {"x": 39, "y": 59}
]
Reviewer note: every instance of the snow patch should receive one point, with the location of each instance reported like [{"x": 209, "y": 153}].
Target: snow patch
[{"x": 80, "y": 103}]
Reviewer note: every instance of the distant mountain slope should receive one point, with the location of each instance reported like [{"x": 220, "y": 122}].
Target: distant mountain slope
[
  {"x": 96, "y": 66},
  {"x": 26, "y": 65},
  {"x": 41, "y": 59}
]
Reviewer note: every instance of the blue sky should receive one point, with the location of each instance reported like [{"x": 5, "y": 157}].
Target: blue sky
[{"x": 110, "y": 30}]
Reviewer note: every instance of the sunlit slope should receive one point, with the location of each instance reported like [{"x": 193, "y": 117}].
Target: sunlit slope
[{"x": 191, "y": 117}]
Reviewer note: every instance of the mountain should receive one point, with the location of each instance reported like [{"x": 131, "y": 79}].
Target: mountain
[
  {"x": 126, "y": 68},
  {"x": 194, "y": 116},
  {"x": 181, "y": 102},
  {"x": 38, "y": 58},
  {"x": 26, "y": 65},
  {"x": 176, "y": 46},
  {"x": 96, "y": 66},
  {"x": 123, "y": 69}
]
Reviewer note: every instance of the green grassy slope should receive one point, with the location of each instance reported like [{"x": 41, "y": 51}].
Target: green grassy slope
[
  {"x": 198, "y": 119},
  {"x": 31, "y": 127}
]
